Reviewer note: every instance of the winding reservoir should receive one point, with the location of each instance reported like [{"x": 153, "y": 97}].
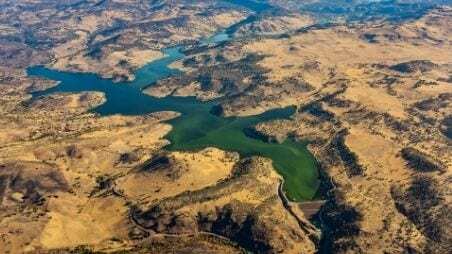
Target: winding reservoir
[{"x": 196, "y": 128}]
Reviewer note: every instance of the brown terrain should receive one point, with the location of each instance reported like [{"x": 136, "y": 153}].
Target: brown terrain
[
  {"x": 380, "y": 107},
  {"x": 111, "y": 38},
  {"x": 377, "y": 98},
  {"x": 373, "y": 99}
]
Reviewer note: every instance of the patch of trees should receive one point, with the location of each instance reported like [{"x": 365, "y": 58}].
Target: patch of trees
[
  {"x": 339, "y": 227},
  {"x": 340, "y": 103},
  {"x": 191, "y": 62},
  {"x": 317, "y": 110},
  {"x": 239, "y": 226},
  {"x": 96, "y": 52},
  {"x": 338, "y": 222},
  {"x": 414, "y": 66},
  {"x": 326, "y": 187},
  {"x": 234, "y": 221},
  {"x": 420, "y": 161},
  {"x": 370, "y": 37},
  {"x": 423, "y": 204},
  {"x": 395, "y": 124},
  {"x": 110, "y": 32},
  {"x": 424, "y": 83},
  {"x": 360, "y": 11},
  {"x": 206, "y": 59},
  {"x": 235, "y": 27},
  {"x": 348, "y": 157},
  {"x": 36, "y": 39},
  {"x": 165, "y": 221},
  {"x": 434, "y": 104},
  {"x": 74, "y": 152},
  {"x": 155, "y": 163},
  {"x": 129, "y": 157},
  {"x": 104, "y": 184},
  {"x": 34, "y": 187},
  {"x": 243, "y": 167},
  {"x": 226, "y": 78},
  {"x": 446, "y": 127}
]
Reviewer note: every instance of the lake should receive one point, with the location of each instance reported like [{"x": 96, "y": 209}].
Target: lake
[{"x": 197, "y": 127}]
